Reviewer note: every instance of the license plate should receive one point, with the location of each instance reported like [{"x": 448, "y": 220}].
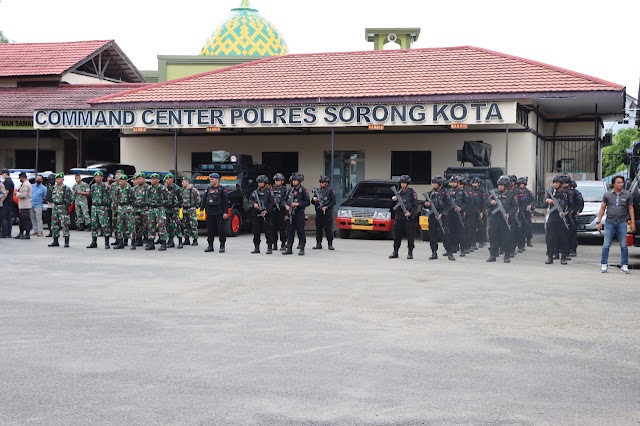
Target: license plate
[
  {"x": 361, "y": 222},
  {"x": 582, "y": 227}
]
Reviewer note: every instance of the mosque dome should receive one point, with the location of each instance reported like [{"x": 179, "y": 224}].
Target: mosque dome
[{"x": 245, "y": 33}]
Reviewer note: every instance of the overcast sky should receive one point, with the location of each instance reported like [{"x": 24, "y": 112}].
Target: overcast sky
[{"x": 592, "y": 37}]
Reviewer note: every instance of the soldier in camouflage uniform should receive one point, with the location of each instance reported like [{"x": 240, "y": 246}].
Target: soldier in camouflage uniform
[
  {"x": 173, "y": 210},
  {"x": 157, "y": 199},
  {"x": 125, "y": 221},
  {"x": 114, "y": 188},
  {"x": 100, "y": 202},
  {"x": 139, "y": 211},
  {"x": 81, "y": 191},
  {"x": 62, "y": 198},
  {"x": 190, "y": 202}
]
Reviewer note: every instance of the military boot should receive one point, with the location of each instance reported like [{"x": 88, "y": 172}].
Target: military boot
[
  {"x": 150, "y": 245},
  {"x": 256, "y": 250},
  {"x": 66, "y": 242},
  {"x": 221, "y": 249},
  {"x": 209, "y": 248},
  {"x": 94, "y": 243},
  {"x": 491, "y": 258},
  {"x": 163, "y": 246},
  {"x": 119, "y": 245},
  {"x": 180, "y": 243},
  {"x": 106, "y": 243},
  {"x": 195, "y": 242},
  {"x": 549, "y": 260},
  {"x": 133, "y": 245},
  {"x": 140, "y": 242},
  {"x": 283, "y": 247},
  {"x": 563, "y": 259},
  {"x": 410, "y": 253},
  {"x": 301, "y": 252},
  {"x": 171, "y": 244},
  {"x": 287, "y": 251},
  {"x": 330, "y": 245},
  {"x": 529, "y": 243},
  {"x": 507, "y": 259},
  {"x": 318, "y": 246},
  {"x": 126, "y": 242},
  {"x": 187, "y": 242},
  {"x": 451, "y": 257},
  {"x": 269, "y": 248},
  {"x": 55, "y": 242},
  {"x": 434, "y": 255},
  {"x": 393, "y": 255}
]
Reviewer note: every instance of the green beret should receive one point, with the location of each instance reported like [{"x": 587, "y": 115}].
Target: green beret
[
  {"x": 155, "y": 176},
  {"x": 98, "y": 173},
  {"x": 186, "y": 178},
  {"x": 120, "y": 171},
  {"x": 168, "y": 176},
  {"x": 137, "y": 175},
  {"x": 59, "y": 175},
  {"x": 123, "y": 177}
]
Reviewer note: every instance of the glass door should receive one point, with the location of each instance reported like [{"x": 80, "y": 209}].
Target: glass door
[{"x": 348, "y": 170}]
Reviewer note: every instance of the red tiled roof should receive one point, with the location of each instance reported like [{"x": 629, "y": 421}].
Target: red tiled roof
[
  {"x": 22, "y": 101},
  {"x": 413, "y": 73},
  {"x": 21, "y": 59}
]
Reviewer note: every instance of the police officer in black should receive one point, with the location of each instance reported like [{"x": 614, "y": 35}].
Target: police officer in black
[
  {"x": 463, "y": 199},
  {"x": 216, "y": 204},
  {"x": 557, "y": 232},
  {"x": 455, "y": 219},
  {"x": 500, "y": 237},
  {"x": 578, "y": 206},
  {"x": 279, "y": 212},
  {"x": 404, "y": 223},
  {"x": 296, "y": 201},
  {"x": 480, "y": 196},
  {"x": 443, "y": 205},
  {"x": 262, "y": 201},
  {"x": 324, "y": 212},
  {"x": 526, "y": 204}
]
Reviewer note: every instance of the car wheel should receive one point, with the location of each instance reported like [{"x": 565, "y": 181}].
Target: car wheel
[
  {"x": 345, "y": 234},
  {"x": 234, "y": 224}
]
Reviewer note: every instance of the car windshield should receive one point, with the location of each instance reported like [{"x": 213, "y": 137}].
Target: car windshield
[
  {"x": 592, "y": 193},
  {"x": 373, "y": 190}
]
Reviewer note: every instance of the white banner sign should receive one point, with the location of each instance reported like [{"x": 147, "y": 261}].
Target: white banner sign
[{"x": 300, "y": 116}]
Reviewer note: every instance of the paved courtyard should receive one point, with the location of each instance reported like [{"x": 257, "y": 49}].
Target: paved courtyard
[{"x": 346, "y": 337}]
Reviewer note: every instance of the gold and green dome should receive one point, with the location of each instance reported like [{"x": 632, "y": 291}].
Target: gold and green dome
[{"x": 245, "y": 33}]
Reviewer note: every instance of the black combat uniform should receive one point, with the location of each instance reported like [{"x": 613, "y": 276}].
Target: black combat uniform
[
  {"x": 455, "y": 222},
  {"x": 277, "y": 217},
  {"x": 481, "y": 222},
  {"x": 500, "y": 237},
  {"x": 578, "y": 206},
  {"x": 436, "y": 232},
  {"x": 216, "y": 203},
  {"x": 404, "y": 226},
  {"x": 262, "y": 222},
  {"x": 324, "y": 220},
  {"x": 297, "y": 194},
  {"x": 557, "y": 232}
]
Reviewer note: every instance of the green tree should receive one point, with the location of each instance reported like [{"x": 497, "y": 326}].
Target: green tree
[
  {"x": 613, "y": 156},
  {"x": 3, "y": 39}
]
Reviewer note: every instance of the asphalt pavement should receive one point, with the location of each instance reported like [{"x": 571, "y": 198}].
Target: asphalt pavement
[{"x": 348, "y": 337}]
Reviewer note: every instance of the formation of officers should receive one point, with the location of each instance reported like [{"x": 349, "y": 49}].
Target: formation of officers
[
  {"x": 461, "y": 214},
  {"x": 151, "y": 214}
]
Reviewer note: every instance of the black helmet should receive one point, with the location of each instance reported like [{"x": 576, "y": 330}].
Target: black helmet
[
  {"x": 438, "y": 179},
  {"x": 455, "y": 178},
  {"x": 262, "y": 179},
  {"x": 558, "y": 178},
  {"x": 504, "y": 180},
  {"x": 572, "y": 183},
  {"x": 476, "y": 180},
  {"x": 513, "y": 178},
  {"x": 323, "y": 179},
  {"x": 464, "y": 180},
  {"x": 521, "y": 181},
  {"x": 405, "y": 179},
  {"x": 297, "y": 176},
  {"x": 278, "y": 176}
]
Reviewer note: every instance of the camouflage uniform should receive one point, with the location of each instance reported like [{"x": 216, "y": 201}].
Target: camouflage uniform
[
  {"x": 82, "y": 204},
  {"x": 100, "y": 202},
  {"x": 139, "y": 206},
  {"x": 62, "y": 197},
  {"x": 190, "y": 202},
  {"x": 173, "y": 211},
  {"x": 157, "y": 199},
  {"x": 125, "y": 219},
  {"x": 113, "y": 190}
]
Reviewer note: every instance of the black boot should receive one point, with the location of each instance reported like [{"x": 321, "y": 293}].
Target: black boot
[
  {"x": 126, "y": 242},
  {"x": 133, "y": 245},
  {"x": 330, "y": 245},
  {"x": 573, "y": 253},
  {"x": 283, "y": 247},
  {"x": 563, "y": 259},
  {"x": 106, "y": 243},
  {"x": 187, "y": 242},
  {"x": 529, "y": 243},
  {"x": 287, "y": 251},
  {"x": 491, "y": 258},
  {"x": 221, "y": 249},
  {"x": 549, "y": 260},
  {"x": 195, "y": 242},
  {"x": 171, "y": 244},
  {"x": 119, "y": 245},
  {"x": 256, "y": 250},
  {"x": 150, "y": 245},
  {"x": 318, "y": 246},
  {"x": 462, "y": 253},
  {"x": 180, "y": 243},
  {"x": 269, "y": 248},
  {"x": 163, "y": 246},
  {"x": 141, "y": 243},
  {"x": 115, "y": 242},
  {"x": 94, "y": 243},
  {"x": 507, "y": 259},
  {"x": 410, "y": 254},
  {"x": 393, "y": 255},
  {"x": 450, "y": 256},
  {"x": 55, "y": 242},
  {"x": 19, "y": 236},
  {"x": 66, "y": 241},
  {"x": 49, "y": 235},
  {"x": 209, "y": 248},
  {"x": 434, "y": 255},
  {"x": 301, "y": 252}
]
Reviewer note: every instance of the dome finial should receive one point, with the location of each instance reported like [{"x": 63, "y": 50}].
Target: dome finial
[{"x": 244, "y": 4}]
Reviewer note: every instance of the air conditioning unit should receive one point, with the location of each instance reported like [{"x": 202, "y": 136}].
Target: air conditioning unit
[{"x": 392, "y": 37}]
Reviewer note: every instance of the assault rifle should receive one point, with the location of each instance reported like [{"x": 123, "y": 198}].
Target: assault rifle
[
  {"x": 556, "y": 205},
  {"x": 321, "y": 204},
  {"x": 261, "y": 206},
  {"x": 278, "y": 199},
  {"x": 400, "y": 202},
  {"x": 458, "y": 213},
  {"x": 434, "y": 209},
  {"x": 500, "y": 207},
  {"x": 292, "y": 210}
]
